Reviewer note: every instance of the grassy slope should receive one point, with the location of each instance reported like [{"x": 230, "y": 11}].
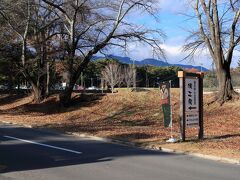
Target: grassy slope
[{"x": 134, "y": 116}]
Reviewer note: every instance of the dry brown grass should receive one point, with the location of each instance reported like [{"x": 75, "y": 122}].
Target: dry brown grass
[{"x": 132, "y": 116}]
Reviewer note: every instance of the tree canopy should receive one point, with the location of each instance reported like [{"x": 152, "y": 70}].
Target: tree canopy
[
  {"x": 218, "y": 32},
  {"x": 71, "y": 32}
]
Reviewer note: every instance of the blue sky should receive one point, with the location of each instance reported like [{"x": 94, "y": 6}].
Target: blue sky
[{"x": 175, "y": 26}]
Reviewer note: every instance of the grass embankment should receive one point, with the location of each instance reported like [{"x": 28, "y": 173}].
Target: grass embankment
[{"x": 131, "y": 116}]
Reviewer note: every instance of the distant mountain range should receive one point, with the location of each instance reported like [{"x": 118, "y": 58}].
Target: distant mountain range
[{"x": 150, "y": 61}]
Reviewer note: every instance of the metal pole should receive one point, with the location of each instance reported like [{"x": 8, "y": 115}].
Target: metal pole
[
  {"x": 171, "y": 140},
  {"x": 170, "y": 83}
]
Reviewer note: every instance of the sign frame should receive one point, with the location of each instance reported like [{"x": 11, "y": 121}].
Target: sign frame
[{"x": 183, "y": 76}]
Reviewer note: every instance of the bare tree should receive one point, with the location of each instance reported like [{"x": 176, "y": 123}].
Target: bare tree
[
  {"x": 121, "y": 79},
  {"x": 32, "y": 26},
  {"x": 112, "y": 74},
  {"x": 93, "y": 26},
  {"x": 129, "y": 75},
  {"x": 44, "y": 24},
  {"x": 17, "y": 16},
  {"x": 134, "y": 77},
  {"x": 219, "y": 32}
]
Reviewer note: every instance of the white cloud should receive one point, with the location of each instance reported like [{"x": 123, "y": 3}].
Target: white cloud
[
  {"x": 174, "y": 54},
  {"x": 172, "y": 50},
  {"x": 174, "y": 6},
  {"x": 139, "y": 51},
  {"x": 136, "y": 51}
]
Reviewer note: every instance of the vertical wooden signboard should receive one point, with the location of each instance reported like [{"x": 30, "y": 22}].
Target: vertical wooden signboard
[
  {"x": 165, "y": 102},
  {"x": 191, "y": 102}
]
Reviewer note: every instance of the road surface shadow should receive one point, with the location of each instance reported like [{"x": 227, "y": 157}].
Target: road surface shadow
[{"x": 22, "y": 156}]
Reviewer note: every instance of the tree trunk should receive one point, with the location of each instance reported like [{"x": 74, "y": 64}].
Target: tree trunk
[
  {"x": 41, "y": 85},
  {"x": 65, "y": 96},
  {"x": 226, "y": 91},
  {"x": 48, "y": 79},
  {"x": 112, "y": 88},
  {"x": 10, "y": 83},
  {"x": 37, "y": 97}
]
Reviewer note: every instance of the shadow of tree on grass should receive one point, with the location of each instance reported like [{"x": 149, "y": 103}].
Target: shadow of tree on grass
[
  {"x": 10, "y": 98},
  {"x": 51, "y": 106}
]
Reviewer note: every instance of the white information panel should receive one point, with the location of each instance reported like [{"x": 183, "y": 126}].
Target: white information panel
[
  {"x": 192, "y": 101},
  {"x": 191, "y": 94},
  {"x": 192, "y": 119}
]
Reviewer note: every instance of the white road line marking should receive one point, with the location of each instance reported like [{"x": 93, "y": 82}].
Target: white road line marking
[{"x": 45, "y": 145}]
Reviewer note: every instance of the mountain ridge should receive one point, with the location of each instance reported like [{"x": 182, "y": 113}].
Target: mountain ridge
[{"x": 149, "y": 61}]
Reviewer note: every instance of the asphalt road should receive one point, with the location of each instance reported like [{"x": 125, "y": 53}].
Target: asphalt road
[{"x": 38, "y": 154}]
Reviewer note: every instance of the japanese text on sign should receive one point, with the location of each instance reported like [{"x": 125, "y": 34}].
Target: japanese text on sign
[
  {"x": 191, "y": 102},
  {"x": 192, "y": 119},
  {"x": 191, "y": 94}
]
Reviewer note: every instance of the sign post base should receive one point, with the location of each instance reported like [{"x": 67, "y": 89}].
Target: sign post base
[{"x": 171, "y": 140}]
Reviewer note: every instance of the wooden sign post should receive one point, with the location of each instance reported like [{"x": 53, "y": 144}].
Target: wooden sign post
[{"x": 191, "y": 102}]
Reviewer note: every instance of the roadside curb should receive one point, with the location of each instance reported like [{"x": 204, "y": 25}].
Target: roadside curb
[
  {"x": 147, "y": 147},
  {"x": 156, "y": 148},
  {"x": 216, "y": 158},
  {"x": 109, "y": 140},
  {"x": 24, "y": 125}
]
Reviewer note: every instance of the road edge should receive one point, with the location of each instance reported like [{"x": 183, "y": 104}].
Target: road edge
[{"x": 132, "y": 144}]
